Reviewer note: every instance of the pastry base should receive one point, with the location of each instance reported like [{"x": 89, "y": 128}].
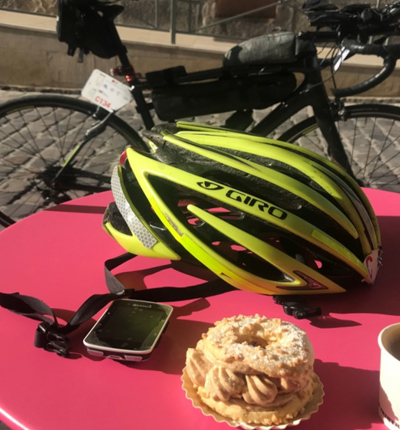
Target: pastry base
[{"x": 311, "y": 407}]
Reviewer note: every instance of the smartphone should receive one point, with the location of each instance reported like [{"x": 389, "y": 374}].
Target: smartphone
[{"x": 128, "y": 330}]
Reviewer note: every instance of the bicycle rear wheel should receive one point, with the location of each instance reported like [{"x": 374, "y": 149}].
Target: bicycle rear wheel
[
  {"x": 371, "y": 137},
  {"x": 38, "y": 134}
]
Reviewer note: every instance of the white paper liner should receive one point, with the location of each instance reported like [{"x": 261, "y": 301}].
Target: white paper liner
[{"x": 311, "y": 407}]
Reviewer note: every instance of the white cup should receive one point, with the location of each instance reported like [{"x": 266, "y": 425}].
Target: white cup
[{"x": 389, "y": 391}]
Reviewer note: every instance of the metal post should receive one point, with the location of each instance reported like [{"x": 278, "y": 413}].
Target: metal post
[
  {"x": 156, "y": 14},
  {"x": 173, "y": 21},
  {"x": 190, "y": 17},
  {"x": 242, "y": 15}
]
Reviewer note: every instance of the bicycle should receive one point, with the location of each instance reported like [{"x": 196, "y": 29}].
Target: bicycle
[{"x": 70, "y": 155}]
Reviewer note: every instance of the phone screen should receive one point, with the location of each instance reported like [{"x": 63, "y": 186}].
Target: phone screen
[{"x": 130, "y": 324}]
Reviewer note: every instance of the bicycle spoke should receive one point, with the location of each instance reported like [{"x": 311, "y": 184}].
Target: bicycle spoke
[
  {"x": 31, "y": 141},
  {"x": 380, "y": 158},
  {"x": 384, "y": 145},
  {"x": 387, "y": 161},
  {"x": 371, "y": 138},
  {"x": 369, "y": 150},
  {"x": 353, "y": 147},
  {"x": 59, "y": 139},
  {"x": 37, "y": 135},
  {"x": 30, "y": 145},
  {"x": 16, "y": 134}
]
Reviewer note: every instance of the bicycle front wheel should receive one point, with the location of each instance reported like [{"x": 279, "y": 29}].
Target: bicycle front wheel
[
  {"x": 371, "y": 137},
  {"x": 38, "y": 134}
]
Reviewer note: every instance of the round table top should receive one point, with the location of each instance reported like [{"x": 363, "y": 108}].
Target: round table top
[{"x": 58, "y": 256}]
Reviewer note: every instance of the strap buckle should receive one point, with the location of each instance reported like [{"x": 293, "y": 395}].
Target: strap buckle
[
  {"x": 47, "y": 336},
  {"x": 296, "y": 307}
]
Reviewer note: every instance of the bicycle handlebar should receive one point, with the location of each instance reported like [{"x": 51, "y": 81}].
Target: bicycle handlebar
[
  {"x": 370, "y": 49},
  {"x": 361, "y": 22},
  {"x": 389, "y": 53},
  {"x": 389, "y": 65}
]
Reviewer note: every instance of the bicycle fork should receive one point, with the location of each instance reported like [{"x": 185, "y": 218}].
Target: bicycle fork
[
  {"x": 315, "y": 91},
  {"x": 314, "y": 95},
  {"x": 326, "y": 122},
  {"x": 89, "y": 134}
]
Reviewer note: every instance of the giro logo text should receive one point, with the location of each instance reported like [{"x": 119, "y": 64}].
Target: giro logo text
[{"x": 245, "y": 199}]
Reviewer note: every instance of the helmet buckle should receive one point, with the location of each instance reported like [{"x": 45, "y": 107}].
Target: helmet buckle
[{"x": 297, "y": 308}]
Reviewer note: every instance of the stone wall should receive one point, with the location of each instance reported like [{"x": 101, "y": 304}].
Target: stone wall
[
  {"x": 36, "y": 59},
  {"x": 47, "y": 7},
  {"x": 192, "y": 15},
  {"x": 33, "y": 57}
]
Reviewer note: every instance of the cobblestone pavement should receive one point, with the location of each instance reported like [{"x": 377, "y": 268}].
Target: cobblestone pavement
[{"x": 22, "y": 190}]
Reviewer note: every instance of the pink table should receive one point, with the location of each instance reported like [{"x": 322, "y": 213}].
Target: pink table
[{"x": 58, "y": 256}]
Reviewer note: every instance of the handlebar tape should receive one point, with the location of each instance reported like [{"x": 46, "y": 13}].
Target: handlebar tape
[
  {"x": 371, "y": 49},
  {"x": 388, "y": 67},
  {"x": 389, "y": 53}
]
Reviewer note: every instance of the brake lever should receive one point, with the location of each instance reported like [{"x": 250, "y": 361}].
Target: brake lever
[
  {"x": 340, "y": 58},
  {"x": 394, "y": 12}
]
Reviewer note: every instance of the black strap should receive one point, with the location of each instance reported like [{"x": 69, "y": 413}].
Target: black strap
[
  {"x": 53, "y": 337},
  {"x": 162, "y": 294},
  {"x": 50, "y": 335}
]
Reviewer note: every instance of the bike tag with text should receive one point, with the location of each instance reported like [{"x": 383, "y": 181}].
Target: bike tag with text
[{"x": 105, "y": 91}]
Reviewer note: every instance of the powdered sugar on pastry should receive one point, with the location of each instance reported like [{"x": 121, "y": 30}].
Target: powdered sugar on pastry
[{"x": 261, "y": 345}]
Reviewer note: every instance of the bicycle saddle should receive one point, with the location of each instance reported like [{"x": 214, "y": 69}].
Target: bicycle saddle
[
  {"x": 275, "y": 48},
  {"x": 318, "y": 6},
  {"x": 109, "y": 8}
]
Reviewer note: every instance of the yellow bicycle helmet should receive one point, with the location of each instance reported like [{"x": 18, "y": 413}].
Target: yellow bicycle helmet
[{"x": 265, "y": 216}]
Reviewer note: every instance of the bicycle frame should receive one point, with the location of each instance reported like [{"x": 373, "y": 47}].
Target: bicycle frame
[{"x": 311, "y": 92}]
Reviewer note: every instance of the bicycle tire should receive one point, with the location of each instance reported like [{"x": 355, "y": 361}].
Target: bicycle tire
[
  {"x": 371, "y": 137},
  {"x": 37, "y": 135}
]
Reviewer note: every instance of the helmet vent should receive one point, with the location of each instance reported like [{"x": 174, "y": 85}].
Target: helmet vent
[{"x": 248, "y": 260}]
